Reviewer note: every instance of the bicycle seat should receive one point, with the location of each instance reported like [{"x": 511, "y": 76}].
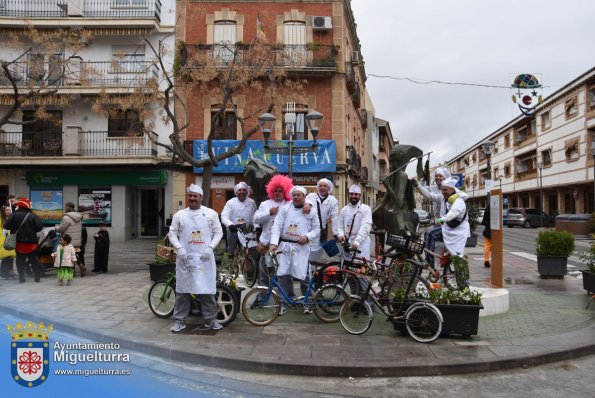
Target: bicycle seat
[{"x": 416, "y": 263}]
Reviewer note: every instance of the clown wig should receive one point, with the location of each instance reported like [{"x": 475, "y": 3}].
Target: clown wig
[{"x": 279, "y": 181}]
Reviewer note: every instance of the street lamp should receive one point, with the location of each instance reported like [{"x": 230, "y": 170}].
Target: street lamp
[
  {"x": 487, "y": 147},
  {"x": 266, "y": 121},
  {"x": 540, "y": 167},
  {"x": 473, "y": 184}
]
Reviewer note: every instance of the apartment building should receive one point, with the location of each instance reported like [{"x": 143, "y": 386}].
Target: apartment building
[
  {"x": 551, "y": 150},
  {"x": 99, "y": 160},
  {"x": 323, "y": 36}
]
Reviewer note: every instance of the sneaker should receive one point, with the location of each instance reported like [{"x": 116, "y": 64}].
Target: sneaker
[
  {"x": 282, "y": 311},
  {"x": 213, "y": 324},
  {"x": 486, "y": 264},
  {"x": 177, "y": 327},
  {"x": 308, "y": 309}
]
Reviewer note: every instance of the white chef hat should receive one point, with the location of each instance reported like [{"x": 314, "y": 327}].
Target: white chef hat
[
  {"x": 450, "y": 182},
  {"x": 327, "y": 182},
  {"x": 241, "y": 185},
  {"x": 195, "y": 188},
  {"x": 299, "y": 189},
  {"x": 355, "y": 189},
  {"x": 443, "y": 171}
]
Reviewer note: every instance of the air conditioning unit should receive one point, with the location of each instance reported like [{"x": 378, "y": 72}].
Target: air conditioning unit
[
  {"x": 355, "y": 57},
  {"x": 321, "y": 23}
]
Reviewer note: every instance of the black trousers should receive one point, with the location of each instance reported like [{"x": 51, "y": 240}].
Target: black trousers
[{"x": 31, "y": 258}]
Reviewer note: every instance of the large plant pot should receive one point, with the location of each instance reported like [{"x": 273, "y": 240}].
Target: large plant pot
[
  {"x": 552, "y": 267},
  {"x": 159, "y": 272},
  {"x": 459, "y": 319},
  {"x": 589, "y": 282},
  {"x": 471, "y": 241}
]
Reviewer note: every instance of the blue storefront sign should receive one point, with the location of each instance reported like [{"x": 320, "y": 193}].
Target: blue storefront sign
[{"x": 323, "y": 160}]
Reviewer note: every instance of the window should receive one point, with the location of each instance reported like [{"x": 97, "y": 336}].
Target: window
[
  {"x": 496, "y": 173},
  {"x": 44, "y": 134},
  {"x": 474, "y": 157},
  {"x": 521, "y": 135},
  {"x": 591, "y": 98},
  {"x": 571, "y": 107},
  {"x": 466, "y": 160},
  {"x": 546, "y": 157},
  {"x": 124, "y": 123},
  {"x": 128, "y": 58},
  {"x": 300, "y": 126},
  {"x": 225, "y": 127},
  {"x": 224, "y": 40},
  {"x": 546, "y": 120},
  {"x": 129, "y": 3},
  {"x": 571, "y": 151},
  {"x": 44, "y": 69},
  {"x": 507, "y": 170},
  {"x": 507, "y": 141},
  {"x": 295, "y": 43}
]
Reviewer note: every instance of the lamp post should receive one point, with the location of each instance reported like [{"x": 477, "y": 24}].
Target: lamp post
[
  {"x": 593, "y": 155},
  {"x": 540, "y": 167},
  {"x": 487, "y": 147},
  {"x": 473, "y": 184},
  {"x": 266, "y": 121}
]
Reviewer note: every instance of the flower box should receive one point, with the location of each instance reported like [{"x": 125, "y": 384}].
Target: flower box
[{"x": 589, "y": 282}]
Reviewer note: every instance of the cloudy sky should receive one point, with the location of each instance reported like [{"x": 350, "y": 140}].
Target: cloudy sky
[{"x": 469, "y": 41}]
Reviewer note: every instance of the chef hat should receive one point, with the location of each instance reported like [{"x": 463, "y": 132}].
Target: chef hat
[
  {"x": 298, "y": 189},
  {"x": 195, "y": 189},
  {"x": 450, "y": 182},
  {"x": 327, "y": 182},
  {"x": 23, "y": 202},
  {"x": 241, "y": 185},
  {"x": 355, "y": 189},
  {"x": 443, "y": 171}
]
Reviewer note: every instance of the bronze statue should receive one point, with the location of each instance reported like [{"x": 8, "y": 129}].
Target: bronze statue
[
  {"x": 258, "y": 173},
  {"x": 395, "y": 214}
]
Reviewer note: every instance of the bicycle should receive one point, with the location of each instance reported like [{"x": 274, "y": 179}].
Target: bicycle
[
  {"x": 162, "y": 299},
  {"x": 422, "y": 320},
  {"x": 249, "y": 266},
  {"x": 262, "y": 305}
]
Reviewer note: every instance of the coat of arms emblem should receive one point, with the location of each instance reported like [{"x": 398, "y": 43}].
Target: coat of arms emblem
[{"x": 30, "y": 353}]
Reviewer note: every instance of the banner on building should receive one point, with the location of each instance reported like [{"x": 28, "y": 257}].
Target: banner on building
[
  {"x": 321, "y": 160},
  {"x": 48, "y": 204},
  {"x": 95, "y": 205}
]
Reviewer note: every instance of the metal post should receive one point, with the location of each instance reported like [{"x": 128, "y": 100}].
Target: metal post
[
  {"x": 290, "y": 160},
  {"x": 540, "y": 166}
]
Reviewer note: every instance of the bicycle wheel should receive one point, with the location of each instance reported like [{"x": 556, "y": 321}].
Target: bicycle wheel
[
  {"x": 260, "y": 306},
  {"x": 162, "y": 299},
  {"x": 397, "y": 291},
  {"x": 249, "y": 271},
  {"x": 423, "y": 322},
  {"x": 328, "y": 302},
  {"x": 356, "y": 316},
  {"x": 227, "y": 305}
]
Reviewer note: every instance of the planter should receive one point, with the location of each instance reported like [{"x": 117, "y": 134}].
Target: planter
[
  {"x": 552, "y": 267},
  {"x": 471, "y": 241},
  {"x": 589, "y": 282},
  {"x": 459, "y": 319},
  {"x": 159, "y": 272}
]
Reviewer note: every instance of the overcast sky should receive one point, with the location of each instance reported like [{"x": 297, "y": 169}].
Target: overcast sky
[{"x": 470, "y": 41}]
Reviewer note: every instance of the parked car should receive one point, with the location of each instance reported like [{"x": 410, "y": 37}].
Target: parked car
[
  {"x": 423, "y": 217},
  {"x": 528, "y": 218}
]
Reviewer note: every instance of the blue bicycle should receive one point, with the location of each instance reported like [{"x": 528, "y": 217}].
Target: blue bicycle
[{"x": 262, "y": 305}]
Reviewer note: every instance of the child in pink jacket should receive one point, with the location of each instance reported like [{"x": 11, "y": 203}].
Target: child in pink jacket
[{"x": 65, "y": 260}]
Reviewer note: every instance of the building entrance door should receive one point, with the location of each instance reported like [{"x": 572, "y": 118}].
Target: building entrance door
[{"x": 149, "y": 212}]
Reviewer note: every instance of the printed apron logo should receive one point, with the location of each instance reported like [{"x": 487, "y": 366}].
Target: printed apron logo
[{"x": 30, "y": 353}]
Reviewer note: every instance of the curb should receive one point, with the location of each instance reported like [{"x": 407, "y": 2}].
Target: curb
[{"x": 360, "y": 369}]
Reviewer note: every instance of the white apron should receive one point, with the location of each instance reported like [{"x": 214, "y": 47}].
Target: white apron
[
  {"x": 357, "y": 224},
  {"x": 294, "y": 260},
  {"x": 455, "y": 238},
  {"x": 196, "y": 276}
]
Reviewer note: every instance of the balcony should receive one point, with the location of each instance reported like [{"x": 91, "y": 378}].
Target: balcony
[
  {"x": 83, "y": 143},
  {"x": 350, "y": 80},
  {"x": 76, "y": 73},
  {"x": 315, "y": 58},
  {"x": 95, "y": 9}
]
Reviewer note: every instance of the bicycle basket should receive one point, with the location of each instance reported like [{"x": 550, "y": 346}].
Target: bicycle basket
[{"x": 405, "y": 243}]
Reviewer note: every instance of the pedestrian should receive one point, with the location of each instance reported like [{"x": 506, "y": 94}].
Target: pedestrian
[
  {"x": 487, "y": 236},
  {"x": 65, "y": 260},
  {"x": 26, "y": 224},
  {"x": 292, "y": 234},
  {"x": 195, "y": 232},
  {"x": 101, "y": 249},
  {"x": 454, "y": 219},
  {"x": 326, "y": 207},
  {"x": 237, "y": 213},
  {"x": 356, "y": 223},
  {"x": 72, "y": 222},
  {"x": 6, "y": 256}
]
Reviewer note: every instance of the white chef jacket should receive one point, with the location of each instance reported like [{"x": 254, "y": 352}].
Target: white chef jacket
[
  {"x": 361, "y": 217},
  {"x": 238, "y": 212},
  {"x": 263, "y": 218}
]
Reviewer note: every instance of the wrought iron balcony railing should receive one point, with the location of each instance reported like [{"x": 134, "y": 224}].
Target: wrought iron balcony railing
[{"x": 97, "y": 9}]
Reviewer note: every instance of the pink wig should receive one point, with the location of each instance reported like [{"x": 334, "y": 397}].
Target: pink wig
[{"x": 279, "y": 181}]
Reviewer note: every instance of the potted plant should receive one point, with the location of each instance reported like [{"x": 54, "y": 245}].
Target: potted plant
[
  {"x": 553, "y": 249},
  {"x": 165, "y": 261},
  {"x": 473, "y": 216},
  {"x": 589, "y": 273},
  {"x": 228, "y": 268}
]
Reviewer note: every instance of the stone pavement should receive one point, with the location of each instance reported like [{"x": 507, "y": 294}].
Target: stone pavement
[{"x": 547, "y": 321}]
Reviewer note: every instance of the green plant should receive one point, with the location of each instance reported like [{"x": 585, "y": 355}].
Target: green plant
[
  {"x": 451, "y": 296},
  {"x": 552, "y": 243},
  {"x": 228, "y": 267},
  {"x": 473, "y": 215},
  {"x": 461, "y": 265},
  {"x": 589, "y": 258},
  {"x": 593, "y": 222}
]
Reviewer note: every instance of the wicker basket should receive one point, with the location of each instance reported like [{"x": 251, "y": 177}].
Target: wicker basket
[
  {"x": 405, "y": 243},
  {"x": 167, "y": 253}
]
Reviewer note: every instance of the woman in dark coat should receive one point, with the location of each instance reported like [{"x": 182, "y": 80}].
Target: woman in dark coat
[
  {"x": 26, "y": 237},
  {"x": 487, "y": 235},
  {"x": 101, "y": 249}
]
